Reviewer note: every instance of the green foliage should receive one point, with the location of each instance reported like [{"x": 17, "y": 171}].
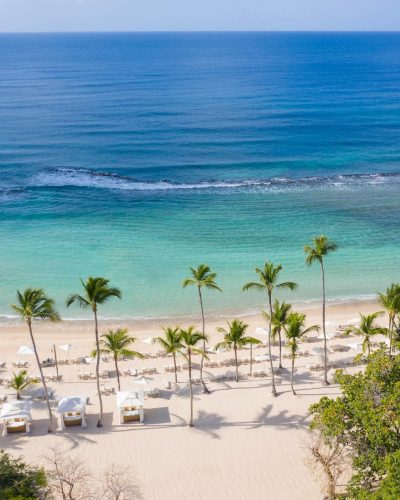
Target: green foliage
[
  {"x": 96, "y": 291},
  {"x": 20, "y": 381},
  {"x": 34, "y": 304},
  {"x": 171, "y": 342},
  {"x": 389, "y": 488},
  {"x": 268, "y": 279},
  {"x": 367, "y": 329},
  {"x": 320, "y": 248},
  {"x": 117, "y": 342},
  {"x": 202, "y": 277},
  {"x": 295, "y": 330},
  {"x": 235, "y": 335},
  {"x": 366, "y": 420},
  {"x": 19, "y": 481}
]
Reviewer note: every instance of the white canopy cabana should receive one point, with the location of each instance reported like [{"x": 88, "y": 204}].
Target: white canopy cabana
[
  {"x": 72, "y": 411},
  {"x": 16, "y": 416},
  {"x": 131, "y": 406}
]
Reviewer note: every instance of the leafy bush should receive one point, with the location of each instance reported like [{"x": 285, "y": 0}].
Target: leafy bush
[
  {"x": 365, "y": 420},
  {"x": 19, "y": 481}
]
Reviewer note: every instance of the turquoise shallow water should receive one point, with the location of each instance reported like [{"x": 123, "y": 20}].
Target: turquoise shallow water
[{"x": 135, "y": 156}]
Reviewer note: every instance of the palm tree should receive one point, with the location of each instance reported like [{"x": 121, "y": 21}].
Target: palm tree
[
  {"x": 280, "y": 313},
  {"x": 235, "y": 336},
  {"x": 171, "y": 343},
  {"x": 189, "y": 340},
  {"x": 321, "y": 247},
  {"x": 295, "y": 331},
  {"x": 117, "y": 343},
  {"x": 367, "y": 329},
  {"x": 33, "y": 304},
  {"x": 96, "y": 291},
  {"x": 202, "y": 277},
  {"x": 391, "y": 302},
  {"x": 19, "y": 382},
  {"x": 268, "y": 282}
]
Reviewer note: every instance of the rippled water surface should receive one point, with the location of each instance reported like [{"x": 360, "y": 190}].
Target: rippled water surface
[{"x": 135, "y": 156}]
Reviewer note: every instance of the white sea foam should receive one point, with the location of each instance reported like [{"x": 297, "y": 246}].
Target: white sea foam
[{"x": 64, "y": 177}]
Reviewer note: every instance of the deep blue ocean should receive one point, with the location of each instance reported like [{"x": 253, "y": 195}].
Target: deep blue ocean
[{"x": 135, "y": 156}]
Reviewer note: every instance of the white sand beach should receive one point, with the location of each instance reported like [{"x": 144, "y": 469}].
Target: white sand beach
[{"x": 245, "y": 443}]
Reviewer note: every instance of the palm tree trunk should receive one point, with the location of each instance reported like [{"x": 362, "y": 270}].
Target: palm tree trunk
[
  {"x": 18, "y": 395},
  {"x": 205, "y": 390},
  {"x": 326, "y": 382},
  {"x": 190, "y": 389},
  {"x": 175, "y": 370},
  {"x": 116, "y": 369},
  {"x": 96, "y": 331},
  {"x": 273, "y": 389},
  {"x": 236, "y": 364},
  {"x": 280, "y": 349},
  {"x": 55, "y": 359},
  {"x": 251, "y": 359},
  {"x": 390, "y": 335},
  {"x": 41, "y": 376},
  {"x": 292, "y": 376}
]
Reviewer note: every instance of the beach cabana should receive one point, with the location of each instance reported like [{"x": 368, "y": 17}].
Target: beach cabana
[
  {"x": 16, "y": 417},
  {"x": 72, "y": 411},
  {"x": 131, "y": 406}
]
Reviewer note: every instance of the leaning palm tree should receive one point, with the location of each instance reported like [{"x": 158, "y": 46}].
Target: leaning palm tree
[
  {"x": 390, "y": 300},
  {"x": 235, "y": 337},
  {"x": 268, "y": 282},
  {"x": 367, "y": 329},
  {"x": 321, "y": 247},
  {"x": 280, "y": 314},
  {"x": 96, "y": 291},
  {"x": 295, "y": 331},
  {"x": 171, "y": 343},
  {"x": 33, "y": 304},
  {"x": 202, "y": 277},
  {"x": 117, "y": 343},
  {"x": 19, "y": 382},
  {"x": 189, "y": 340}
]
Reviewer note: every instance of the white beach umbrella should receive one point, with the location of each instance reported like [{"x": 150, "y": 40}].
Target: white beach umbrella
[
  {"x": 144, "y": 381},
  {"x": 25, "y": 349},
  {"x": 149, "y": 340},
  {"x": 354, "y": 321},
  {"x": 66, "y": 347},
  {"x": 261, "y": 331},
  {"x": 88, "y": 360}
]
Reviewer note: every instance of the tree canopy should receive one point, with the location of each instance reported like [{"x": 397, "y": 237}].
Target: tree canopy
[{"x": 365, "y": 420}]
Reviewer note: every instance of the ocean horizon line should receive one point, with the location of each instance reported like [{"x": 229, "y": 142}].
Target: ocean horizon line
[{"x": 168, "y": 31}]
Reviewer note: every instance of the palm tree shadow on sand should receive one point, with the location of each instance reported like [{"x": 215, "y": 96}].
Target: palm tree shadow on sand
[{"x": 210, "y": 423}]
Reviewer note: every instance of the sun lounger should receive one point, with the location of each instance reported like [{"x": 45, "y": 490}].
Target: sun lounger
[{"x": 17, "y": 425}]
